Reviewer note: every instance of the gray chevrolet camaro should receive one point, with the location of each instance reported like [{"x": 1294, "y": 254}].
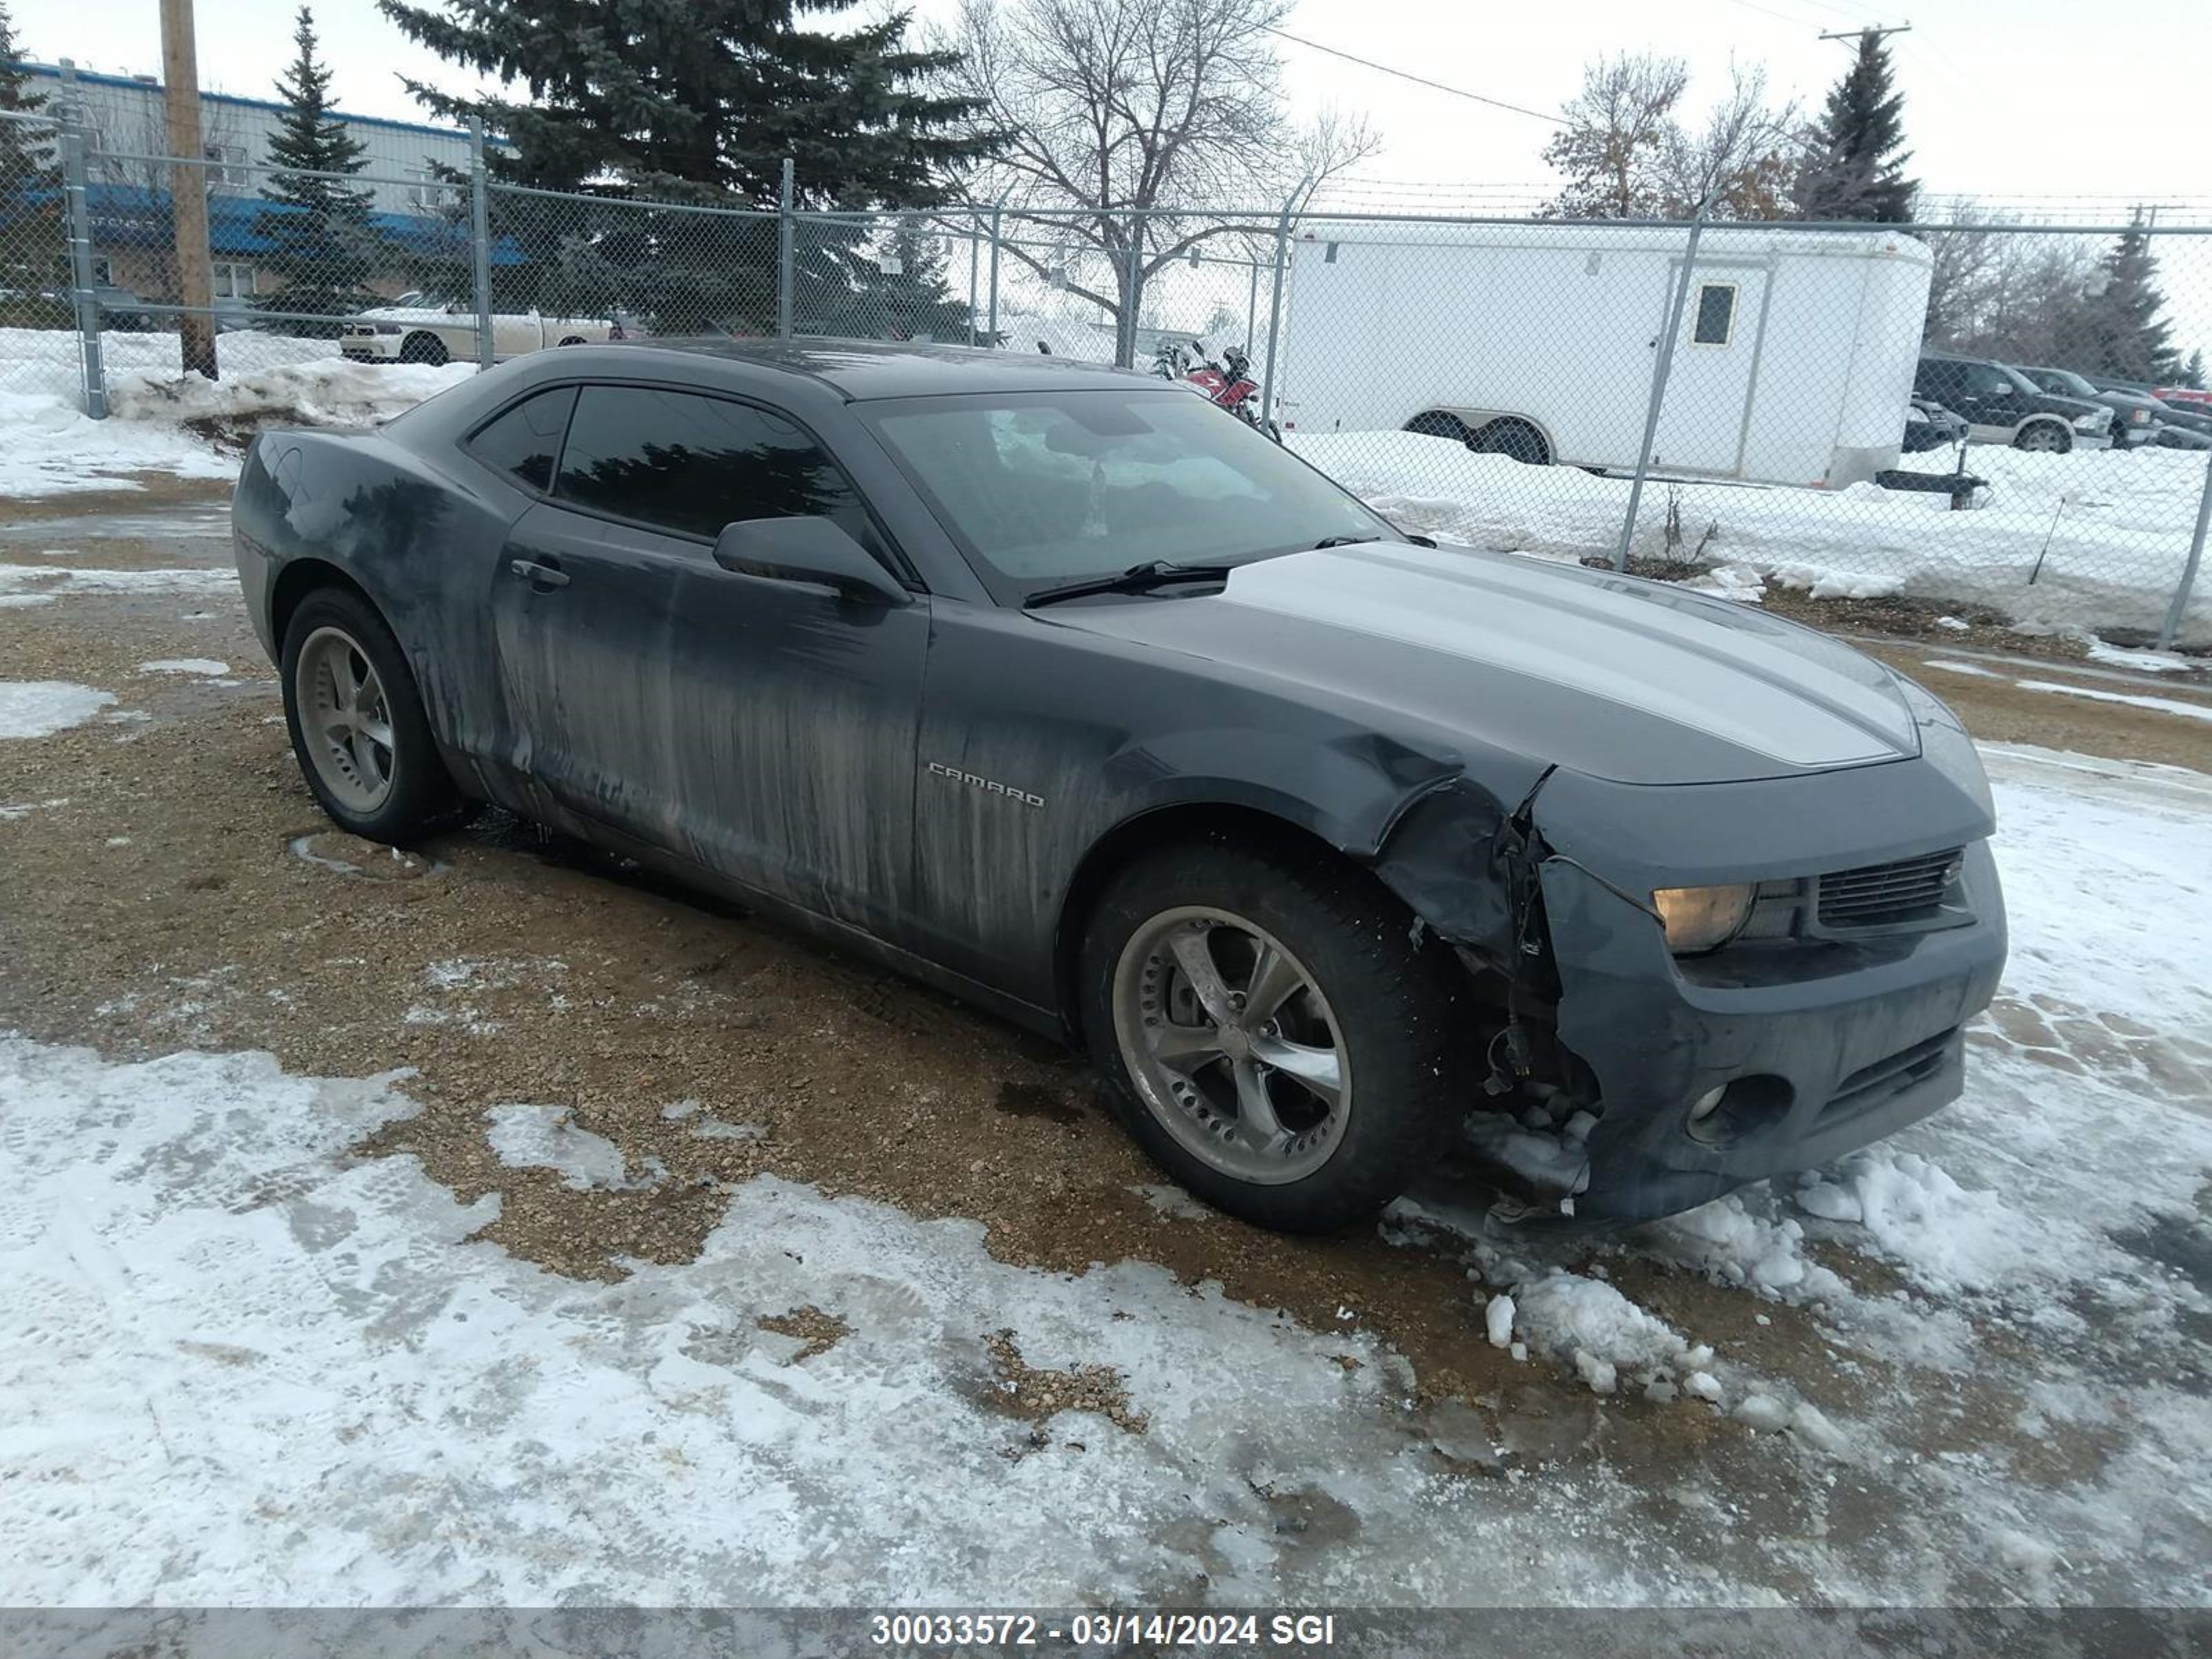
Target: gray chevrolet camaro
[{"x": 1059, "y": 688}]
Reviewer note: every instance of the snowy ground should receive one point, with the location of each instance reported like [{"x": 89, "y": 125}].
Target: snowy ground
[
  {"x": 2089, "y": 539},
  {"x": 246, "y": 1364}
]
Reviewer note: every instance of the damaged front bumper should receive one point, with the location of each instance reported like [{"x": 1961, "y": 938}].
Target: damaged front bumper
[
  {"x": 1643, "y": 1083},
  {"x": 1715, "y": 1071}
]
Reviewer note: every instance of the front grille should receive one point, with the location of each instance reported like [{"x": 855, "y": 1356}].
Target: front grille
[{"x": 1888, "y": 894}]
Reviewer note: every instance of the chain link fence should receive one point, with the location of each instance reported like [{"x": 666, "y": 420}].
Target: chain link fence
[{"x": 1756, "y": 410}]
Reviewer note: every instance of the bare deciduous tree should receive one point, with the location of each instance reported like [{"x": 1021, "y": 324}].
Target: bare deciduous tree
[
  {"x": 1627, "y": 154},
  {"x": 1619, "y": 127},
  {"x": 1742, "y": 159},
  {"x": 1121, "y": 120}
]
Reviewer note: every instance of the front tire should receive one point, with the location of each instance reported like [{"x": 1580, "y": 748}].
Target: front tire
[
  {"x": 2043, "y": 437},
  {"x": 357, "y": 724},
  {"x": 428, "y": 349},
  {"x": 1270, "y": 1032}
]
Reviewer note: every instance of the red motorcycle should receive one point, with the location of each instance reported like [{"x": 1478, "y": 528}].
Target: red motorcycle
[{"x": 1227, "y": 383}]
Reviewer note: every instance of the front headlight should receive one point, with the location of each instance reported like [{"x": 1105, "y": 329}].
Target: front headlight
[
  {"x": 2093, "y": 423},
  {"x": 1698, "y": 919},
  {"x": 387, "y": 328}
]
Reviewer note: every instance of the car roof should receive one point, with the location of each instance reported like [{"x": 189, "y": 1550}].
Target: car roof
[{"x": 865, "y": 369}]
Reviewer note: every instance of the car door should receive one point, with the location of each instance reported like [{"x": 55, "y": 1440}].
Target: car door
[
  {"x": 1992, "y": 403},
  {"x": 1703, "y": 421},
  {"x": 764, "y": 729}
]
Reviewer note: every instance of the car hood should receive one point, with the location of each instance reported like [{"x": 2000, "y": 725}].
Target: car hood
[
  {"x": 411, "y": 314},
  {"x": 1612, "y": 676}
]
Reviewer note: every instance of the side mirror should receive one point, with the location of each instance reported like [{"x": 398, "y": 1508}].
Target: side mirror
[{"x": 806, "y": 549}]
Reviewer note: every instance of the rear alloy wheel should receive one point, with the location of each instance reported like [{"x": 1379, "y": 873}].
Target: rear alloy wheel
[
  {"x": 357, "y": 725},
  {"x": 423, "y": 349},
  {"x": 1274, "y": 1036},
  {"x": 2043, "y": 437}
]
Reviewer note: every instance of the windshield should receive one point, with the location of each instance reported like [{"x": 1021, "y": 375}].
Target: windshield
[
  {"x": 2067, "y": 381},
  {"x": 1050, "y": 487}
]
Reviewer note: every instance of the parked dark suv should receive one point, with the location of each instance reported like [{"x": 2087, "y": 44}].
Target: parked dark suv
[
  {"x": 2136, "y": 417},
  {"x": 2000, "y": 405}
]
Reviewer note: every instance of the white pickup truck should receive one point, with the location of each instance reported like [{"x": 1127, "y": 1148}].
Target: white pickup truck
[{"x": 422, "y": 328}]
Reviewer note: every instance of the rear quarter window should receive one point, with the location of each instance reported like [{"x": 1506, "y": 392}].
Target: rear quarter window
[{"x": 524, "y": 442}]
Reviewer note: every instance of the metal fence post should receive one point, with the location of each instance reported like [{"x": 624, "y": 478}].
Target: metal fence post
[
  {"x": 1275, "y": 304},
  {"x": 1251, "y": 303},
  {"x": 785, "y": 262},
  {"x": 2171, "y": 629},
  {"x": 480, "y": 242},
  {"x": 997, "y": 214},
  {"x": 1659, "y": 373},
  {"x": 83, "y": 289},
  {"x": 974, "y": 257}
]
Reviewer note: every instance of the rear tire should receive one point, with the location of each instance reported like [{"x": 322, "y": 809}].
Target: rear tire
[
  {"x": 1352, "y": 1070},
  {"x": 1434, "y": 424},
  {"x": 358, "y": 728},
  {"x": 1515, "y": 440}
]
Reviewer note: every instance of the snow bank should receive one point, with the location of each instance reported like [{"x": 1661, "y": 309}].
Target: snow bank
[
  {"x": 49, "y": 445},
  {"x": 2062, "y": 540},
  {"x": 324, "y": 391}
]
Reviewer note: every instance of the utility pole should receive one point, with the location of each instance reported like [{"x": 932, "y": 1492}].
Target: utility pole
[
  {"x": 181, "y": 76},
  {"x": 1875, "y": 29}
]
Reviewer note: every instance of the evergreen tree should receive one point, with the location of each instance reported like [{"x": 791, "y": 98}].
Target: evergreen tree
[
  {"x": 2192, "y": 372},
  {"x": 2117, "y": 331},
  {"x": 899, "y": 292},
  {"x": 1853, "y": 166},
  {"x": 33, "y": 257},
  {"x": 24, "y": 149},
  {"x": 696, "y": 101},
  {"x": 320, "y": 240}
]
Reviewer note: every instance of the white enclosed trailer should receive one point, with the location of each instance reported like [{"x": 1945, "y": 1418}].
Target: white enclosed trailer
[{"x": 1793, "y": 363}]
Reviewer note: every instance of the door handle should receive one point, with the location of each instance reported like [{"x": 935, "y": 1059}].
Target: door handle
[{"x": 538, "y": 574}]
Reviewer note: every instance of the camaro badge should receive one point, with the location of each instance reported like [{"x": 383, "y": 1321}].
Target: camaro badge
[{"x": 988, "y": 785}]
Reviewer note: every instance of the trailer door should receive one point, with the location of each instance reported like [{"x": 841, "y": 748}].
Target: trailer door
[{"x": 1705, "y": 420}]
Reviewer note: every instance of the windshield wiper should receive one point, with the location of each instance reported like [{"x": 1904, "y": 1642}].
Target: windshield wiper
[
  {"x": 1355, "y": 541},
  {"x": 1136, "y": 578}
]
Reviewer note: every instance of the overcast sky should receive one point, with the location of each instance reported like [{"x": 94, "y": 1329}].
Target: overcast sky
[{"x": 2058, "y": 100}]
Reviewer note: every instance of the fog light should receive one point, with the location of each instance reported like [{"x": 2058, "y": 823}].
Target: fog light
[{"x": 1703, "y": 1107}]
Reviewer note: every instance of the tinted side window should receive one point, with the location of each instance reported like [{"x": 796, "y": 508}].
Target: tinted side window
[
  {"x": 524, "y": 440},
  {"x": 692, "y": 465}
]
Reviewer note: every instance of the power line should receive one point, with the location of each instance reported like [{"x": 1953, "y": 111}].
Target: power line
[{"x": 1418, "y": 81}]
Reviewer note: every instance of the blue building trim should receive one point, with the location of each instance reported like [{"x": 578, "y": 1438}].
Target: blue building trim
[
  {"x": 95, "y": 78},
  {"x": 131, "y": 215}
]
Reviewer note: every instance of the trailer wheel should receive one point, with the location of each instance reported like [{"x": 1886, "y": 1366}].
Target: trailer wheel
[
  {"x": 1516, "y": 439},
  {"x": 1434, "y": 424}
]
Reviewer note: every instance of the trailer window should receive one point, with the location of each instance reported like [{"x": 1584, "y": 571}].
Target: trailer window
[{"x": 1716, "y": 314}]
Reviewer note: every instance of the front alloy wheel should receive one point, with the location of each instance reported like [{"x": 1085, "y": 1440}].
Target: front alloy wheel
[
  {"x": 1273, "y": 1029},
  {"x": 1231, "y": 1045}
]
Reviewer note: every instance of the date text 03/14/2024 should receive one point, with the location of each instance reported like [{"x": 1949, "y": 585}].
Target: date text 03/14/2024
[{"x": 956, "y": 1630}]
